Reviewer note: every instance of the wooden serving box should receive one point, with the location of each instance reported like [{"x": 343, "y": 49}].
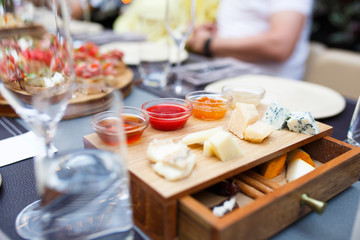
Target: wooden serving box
[{"x": 167, "y": 210}]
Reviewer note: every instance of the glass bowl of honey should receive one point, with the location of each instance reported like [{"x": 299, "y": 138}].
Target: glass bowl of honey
[
  {"x": 168, "y": 114},
  {"x": 107, "y": 125},
  {"x": 209, "y": 105}
]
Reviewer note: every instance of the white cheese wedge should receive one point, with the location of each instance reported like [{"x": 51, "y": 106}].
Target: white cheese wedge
[
  {"x": 258, "y": 131},
  {"x": 208, "y": 149},
  {"x": 302, "y": 122},
  {"x": 296, "y": 169},
  {"x": 172, "y": 173},
  {"x": 199, "y": 137},
  {"x": 225, "y": 146},
  {"x": 243, "y": 116},
  {"x": 168, "y": 152},
  {"x": 171, "y": 160},
  {"x": 276, "y": 115}
]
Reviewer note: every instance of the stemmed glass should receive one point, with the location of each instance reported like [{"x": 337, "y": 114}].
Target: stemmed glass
[
  {"x": 353, "y": 134},
  {"x": 179, "y": 22},
  {"x": 37, "y": 74}
]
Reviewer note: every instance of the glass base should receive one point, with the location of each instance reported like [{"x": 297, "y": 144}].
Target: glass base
[
  {"x": 27, "y": 223},
  {"x": 352, "y": 142}
]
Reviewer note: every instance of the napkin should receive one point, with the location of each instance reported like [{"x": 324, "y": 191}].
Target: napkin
[{"x": 17, "y": 143}]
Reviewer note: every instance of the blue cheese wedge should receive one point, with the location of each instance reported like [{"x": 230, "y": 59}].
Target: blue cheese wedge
[
  {"x": 276, "y": 116},
  {"x": 302, "y": 122}
]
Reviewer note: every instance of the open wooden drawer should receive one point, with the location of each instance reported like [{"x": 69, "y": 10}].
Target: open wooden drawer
[
  {"x": 165, "y": 210},
  {"x": 277, "y": 209}
]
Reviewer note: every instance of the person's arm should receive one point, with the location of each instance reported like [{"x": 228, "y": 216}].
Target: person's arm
[{"x": 277, "y": 44}]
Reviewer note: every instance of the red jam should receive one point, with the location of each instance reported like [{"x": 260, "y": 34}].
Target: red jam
[{"x": 168, "y": 117}]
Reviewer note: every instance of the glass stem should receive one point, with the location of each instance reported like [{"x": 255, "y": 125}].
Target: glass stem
[
  {"x": 48, "y": 138},
  {"x": 180, "y": 47}
]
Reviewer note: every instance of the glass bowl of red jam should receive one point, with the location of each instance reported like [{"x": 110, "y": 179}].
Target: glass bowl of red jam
[
  {"x": 106, "y": 125},
  {"x": 168, "y": 114},
  {"x": 209, "y": 105}
]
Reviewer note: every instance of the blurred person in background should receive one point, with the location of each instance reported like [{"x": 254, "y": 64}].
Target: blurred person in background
[
  {"x": 104, "y": 12},
  {"x": 130, "y": 19},
  {"x": 271, "y": 34}
]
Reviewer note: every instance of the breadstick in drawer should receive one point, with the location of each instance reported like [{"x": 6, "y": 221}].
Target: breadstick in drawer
[
  {"x": 254, "y": 183},
  {"x": 262, "y": 179},
  {"x": 248, "y": 190}
]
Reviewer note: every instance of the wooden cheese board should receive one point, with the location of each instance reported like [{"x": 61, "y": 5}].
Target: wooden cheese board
[
  {"x": 33, "y": 30},
  {"x": 166, "y": 210},
  {"x": 83, "y": 105},
  {"x": 208, "y": 170}
]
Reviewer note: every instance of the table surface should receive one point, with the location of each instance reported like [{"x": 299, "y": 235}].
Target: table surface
[{"x": 19, "y": 189}]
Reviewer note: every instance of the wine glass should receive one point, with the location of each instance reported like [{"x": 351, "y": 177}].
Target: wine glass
[
  {"x": 179, "y": 22},
  {"x": 36, "y": 71},
  {"x": 85, "y": 193},
  {"x": 353, "y": 134}
]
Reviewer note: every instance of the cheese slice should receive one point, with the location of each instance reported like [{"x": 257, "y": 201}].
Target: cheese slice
[
  {"x": 243, "y": 116},
  {"x": 168, "y": 152},
  {"x": 225, "y": 146},
  {"x": 171, "y": 160},
  {"x": 199, "y": 137},
  {"x": 272, "y": 168},
  {"x": 258, "y": 131},
  {"x": 296, "y": 169},
  {"x": 172, "y": 173},
  {"x": 208, "y": 149},
  {"x": 299, "y": 153}
]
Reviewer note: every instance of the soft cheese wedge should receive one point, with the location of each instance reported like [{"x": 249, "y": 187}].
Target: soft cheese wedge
[
  {"x": 296, "y": 169},
  {"x": 199, "y": 137},
  {"x": 258, "y": 131},
  {"x": 243, "y": 116},
  {"x": 224, "y": 146},
  {"x": 171, "y": 160},
  {"x": 172, "y": 173}
]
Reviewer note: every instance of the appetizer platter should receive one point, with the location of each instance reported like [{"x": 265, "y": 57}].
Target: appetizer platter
[
  {"x": 168, "y": 207},
  {"x": 91, "y": 67}
]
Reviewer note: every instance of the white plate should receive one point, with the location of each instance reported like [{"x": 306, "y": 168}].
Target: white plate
[
  {"x": 131, "y": 52},
  {"x": 295, "y": 95}
]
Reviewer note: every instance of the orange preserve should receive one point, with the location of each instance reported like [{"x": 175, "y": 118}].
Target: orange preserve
[{"x": 209, "y": 108}]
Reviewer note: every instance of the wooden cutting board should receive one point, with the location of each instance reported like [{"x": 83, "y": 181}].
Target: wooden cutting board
[
  {"x": 208, "y": 170},
  {"x": 83, "y": 105}
]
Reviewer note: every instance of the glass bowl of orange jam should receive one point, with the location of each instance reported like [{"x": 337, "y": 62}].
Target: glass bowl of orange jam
[{"x": 209, "y": 105}]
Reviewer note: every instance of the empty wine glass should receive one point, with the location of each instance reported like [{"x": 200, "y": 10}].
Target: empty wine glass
[
  {"x": 179, "y": 22},
  {"x": 37, "y": 74},
  {"x": 84, "y": 193}
]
